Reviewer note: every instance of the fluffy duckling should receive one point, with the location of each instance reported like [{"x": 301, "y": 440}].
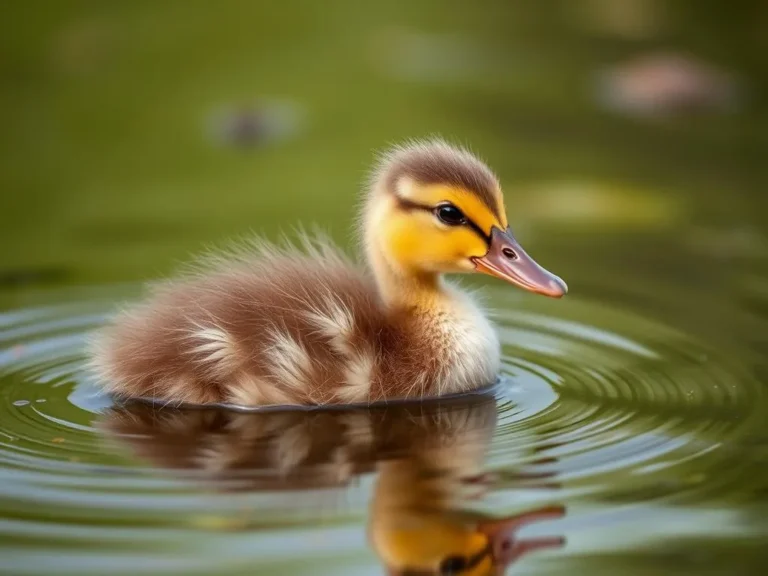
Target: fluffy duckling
[
  {"x": 428, "y": 459},
  {"x": 265, "y": 325}
]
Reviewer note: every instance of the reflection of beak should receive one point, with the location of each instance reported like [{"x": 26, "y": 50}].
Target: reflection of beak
[
  {"x": 501, "y": 534},
  {"x": 507, "y": 260}
]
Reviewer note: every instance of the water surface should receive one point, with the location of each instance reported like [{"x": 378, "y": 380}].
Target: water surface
[{"x": 627, "y": 435}]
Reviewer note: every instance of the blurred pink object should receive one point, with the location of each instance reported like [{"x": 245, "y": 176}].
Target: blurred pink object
[{"x": 666, "y": 83}]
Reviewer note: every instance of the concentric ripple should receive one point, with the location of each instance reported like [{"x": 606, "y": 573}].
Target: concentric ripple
[
  {"x": 599, "y": 406},
  {"x": 630, "y": 405}
]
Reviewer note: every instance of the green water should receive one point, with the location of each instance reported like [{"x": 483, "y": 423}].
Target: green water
[{"x": 636, "y": 406}]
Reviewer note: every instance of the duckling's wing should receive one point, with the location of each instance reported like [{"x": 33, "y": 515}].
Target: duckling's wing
[{"x": 257, "y": 325}]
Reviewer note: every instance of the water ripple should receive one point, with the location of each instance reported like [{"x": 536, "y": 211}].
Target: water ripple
[{"x": 601, "y": 406}]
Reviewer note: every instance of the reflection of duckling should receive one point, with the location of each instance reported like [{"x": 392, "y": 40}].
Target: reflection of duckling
[
  {"x": 295, "y": 449},
  {"x": 416, "y": 532},
  {"x": 429, "y": 461},
  {"x": 284, "y": 326},
  {"x": 419, "y": 526}
]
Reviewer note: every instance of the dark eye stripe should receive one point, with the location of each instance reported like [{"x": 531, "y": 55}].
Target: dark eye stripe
[
  {"x": 410, "y": 205},
  {"x": 479, "y": 231},
  {"x": 473, "y": 561}
]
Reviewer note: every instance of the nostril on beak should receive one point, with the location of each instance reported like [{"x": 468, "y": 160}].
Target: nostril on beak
[{"x": 509, "y": 253}]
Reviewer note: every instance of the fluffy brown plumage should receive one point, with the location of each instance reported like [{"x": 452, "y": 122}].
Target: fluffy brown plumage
[
  {"x": 269, "y": 326},
  {"x": 263, "y": 325}
]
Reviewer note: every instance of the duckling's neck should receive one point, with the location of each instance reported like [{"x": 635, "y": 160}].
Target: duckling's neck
[
  {"x": 406, "y": 484},
  {"x": 406, "y": 289}
]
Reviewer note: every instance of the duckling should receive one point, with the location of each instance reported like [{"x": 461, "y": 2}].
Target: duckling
[
  {"x": 262, "y": 324},
  {"x": 428, "y": 460}
]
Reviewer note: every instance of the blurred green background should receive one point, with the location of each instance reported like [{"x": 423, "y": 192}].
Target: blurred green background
[{"x": 110, "y": 168}]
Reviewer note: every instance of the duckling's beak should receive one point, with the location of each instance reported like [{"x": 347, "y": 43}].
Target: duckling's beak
[
  {"x": 504, "y": 544},
  {"x": 507, "y": 260}
]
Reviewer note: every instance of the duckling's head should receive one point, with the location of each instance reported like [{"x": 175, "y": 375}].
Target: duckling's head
[
  {"x": 434, "y": 208},
  {"x": 440, "y": 545}
]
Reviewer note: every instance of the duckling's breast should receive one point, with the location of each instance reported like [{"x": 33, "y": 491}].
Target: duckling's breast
[
  {"x": 447, "y": 347},
  {"x": 468, "y": 344}
]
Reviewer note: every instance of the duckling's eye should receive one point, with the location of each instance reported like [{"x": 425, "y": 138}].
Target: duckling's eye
[
  {"x": 449, "y": 214},
  {"x": 452, "y": 565}
]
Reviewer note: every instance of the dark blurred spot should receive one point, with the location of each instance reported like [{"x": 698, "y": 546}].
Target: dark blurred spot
[
  {"x": 31, "y": 276},
  {"x": 251, "y": 126}
]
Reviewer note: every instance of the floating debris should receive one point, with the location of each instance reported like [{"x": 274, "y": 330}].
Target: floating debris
[
  {"x": 665, "y": 84},
  {"x": 252, "y": 125},
  {"x": 20, "y": 402},
  {"x": 58, "y": 440}
]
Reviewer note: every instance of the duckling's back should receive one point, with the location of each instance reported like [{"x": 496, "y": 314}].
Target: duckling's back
[{"x": 258, "y": 325}]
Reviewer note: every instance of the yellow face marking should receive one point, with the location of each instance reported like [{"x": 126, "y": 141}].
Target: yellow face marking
[
  {"x": 466, "y": 201},
  {"x": 485, "y": 568},
  {"x": 425, "y": 547},
  {"x": 416, "y": 242},
  {"x": 477, "y": 543}
]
